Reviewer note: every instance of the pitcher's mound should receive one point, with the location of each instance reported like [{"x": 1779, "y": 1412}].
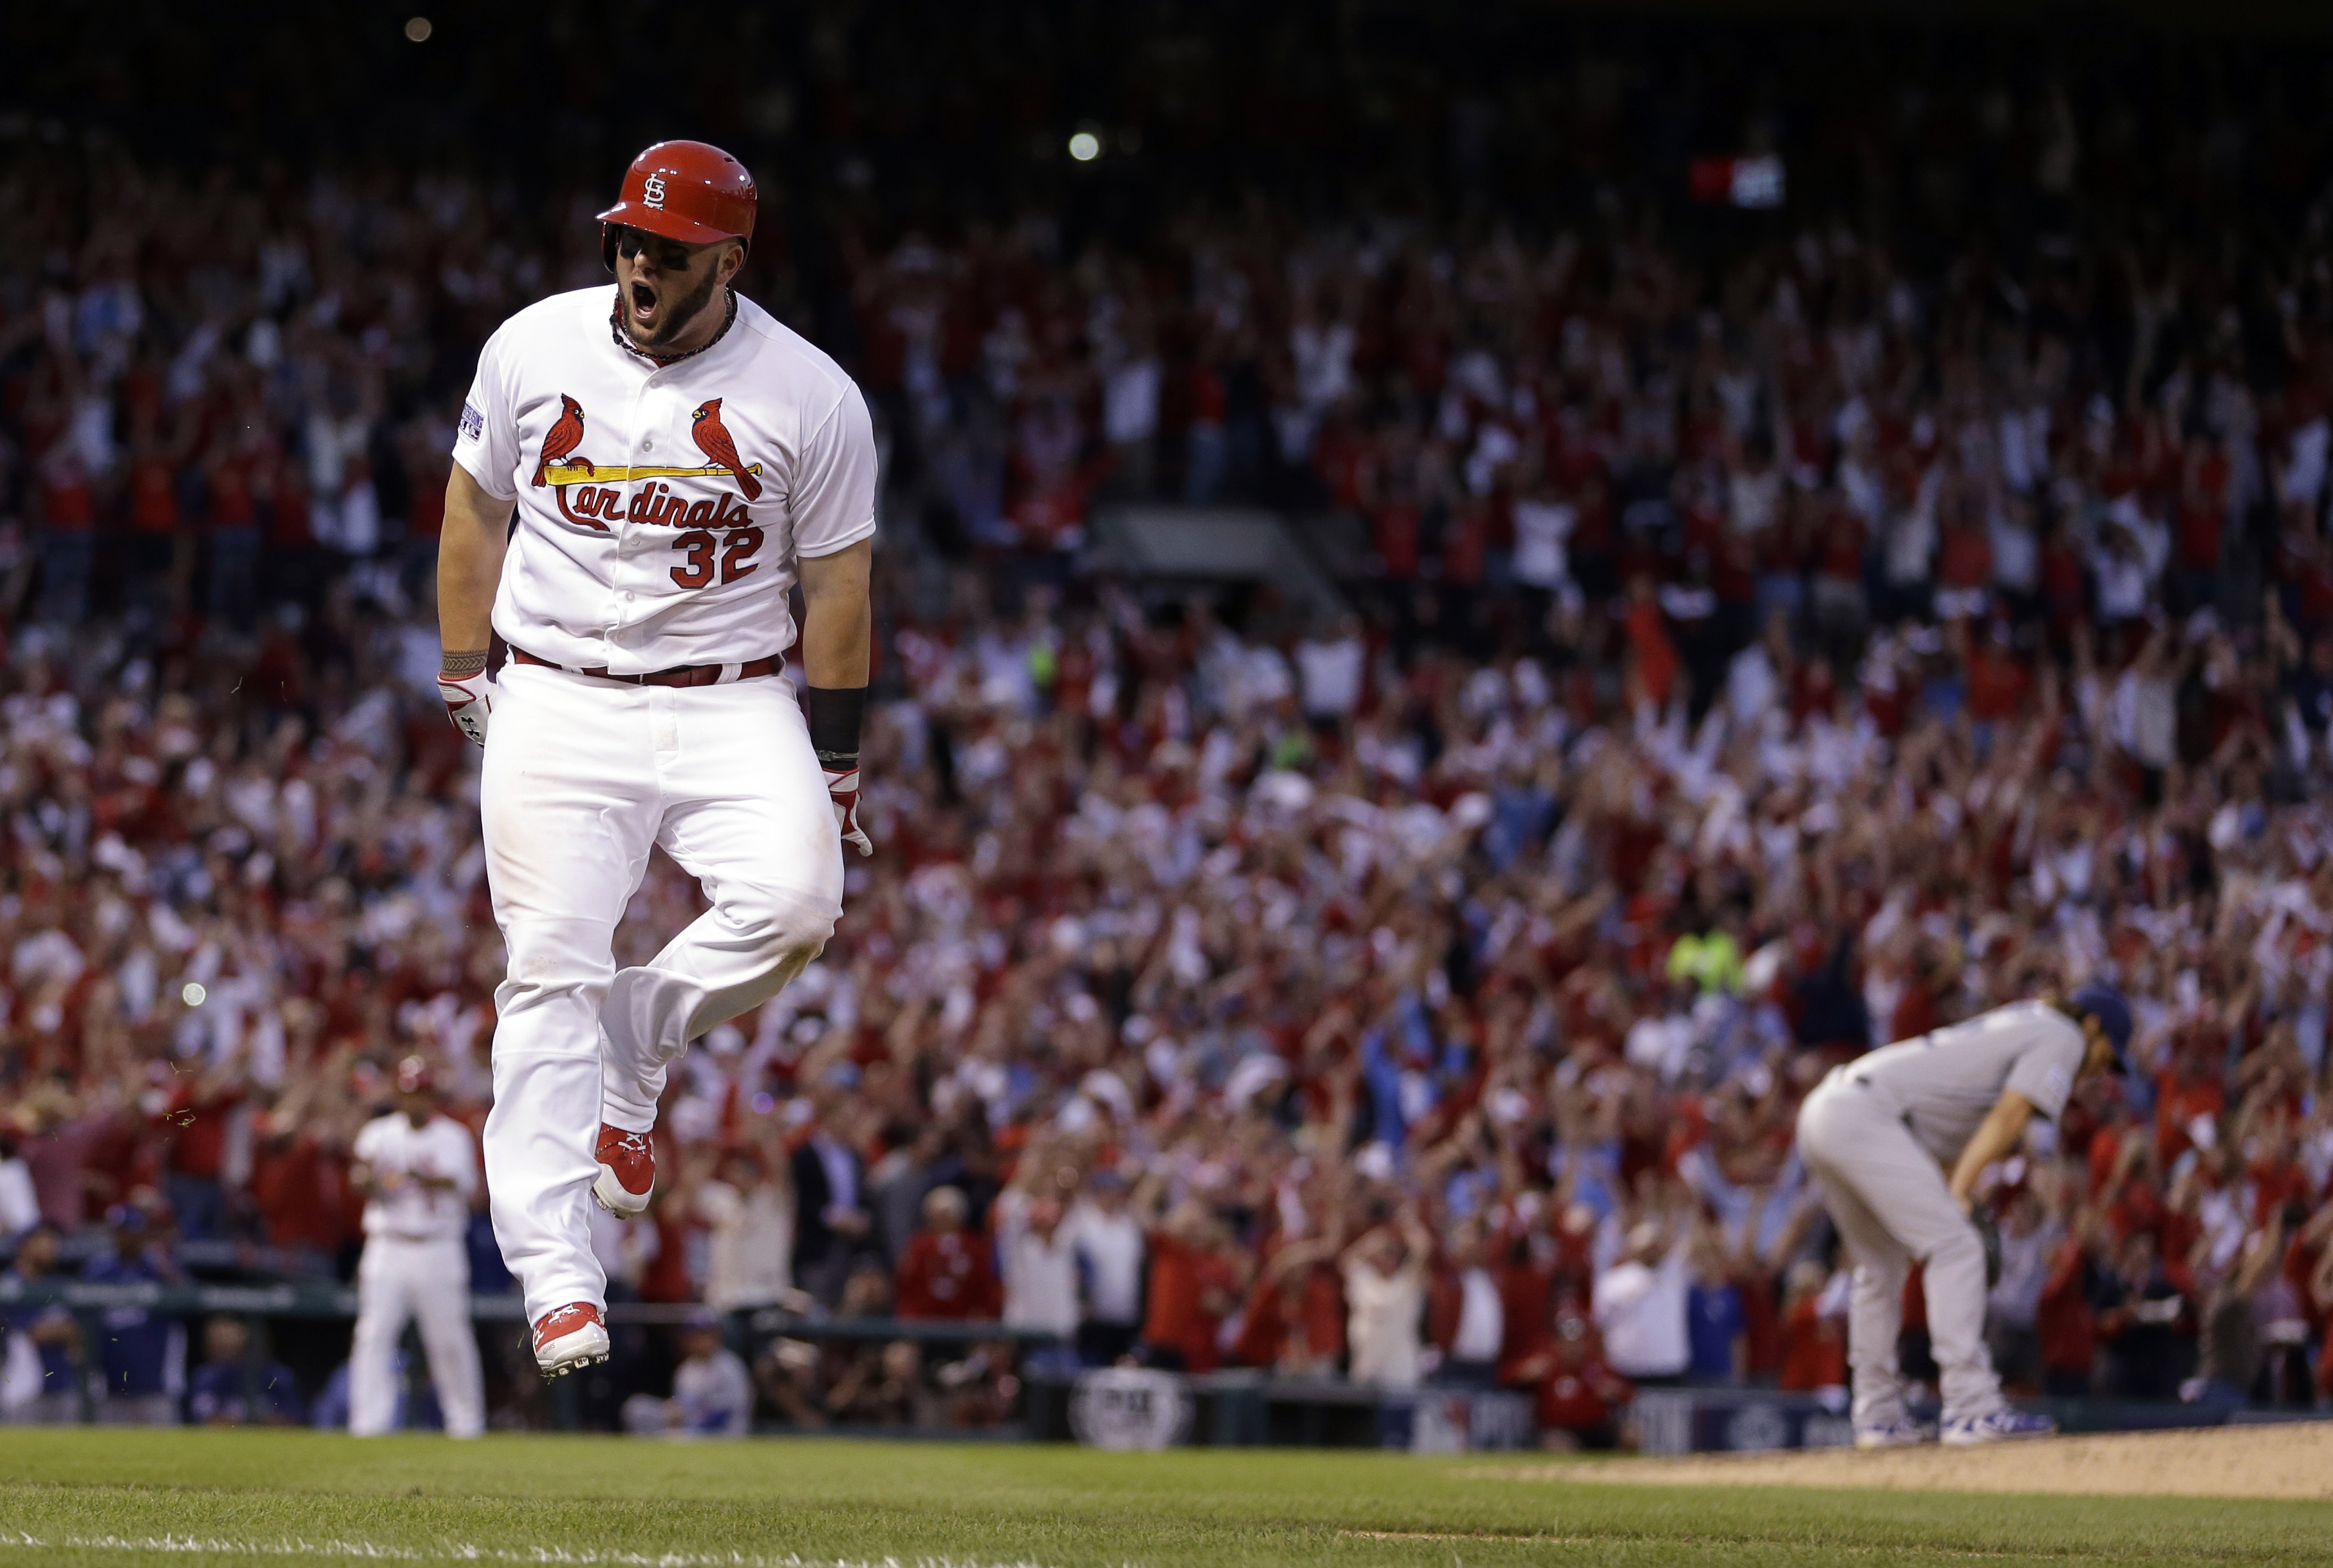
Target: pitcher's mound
[{"x": 2290, "y": 1460}]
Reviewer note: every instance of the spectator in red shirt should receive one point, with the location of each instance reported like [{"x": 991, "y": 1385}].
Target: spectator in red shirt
[
  {"x": 1192, "y": 1289},
  {"x": 299, "y": 1181},
  {"x": 1814, "y": 1333},
  {"x": 1657, "y": 663},
  {"x": 2273, "y": 1174},
  {"x": 2189, "y": 1090},
  {"x": 2066, "y": 1322},
  {"x": 1996, "y": 680},
  {"x": 1173, "y": 1313},
  {"x": 1757, "y": 1277},
  {"x": 1577, "y": 1396},
  {"x": 1279, "y": 1328},
  {"x": 193, "y": 1172},
  {"x": 947, "y": 1272}
]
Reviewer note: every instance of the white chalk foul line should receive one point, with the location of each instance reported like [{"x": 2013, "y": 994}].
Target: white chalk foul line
[{"x": 464, "y": 1552}]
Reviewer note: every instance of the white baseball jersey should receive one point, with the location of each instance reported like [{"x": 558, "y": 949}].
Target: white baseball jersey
[
  {"x": 396, "y": 1150},
  {"x": 661, "y": 511},
  {"x": 1942, "y": 1084}
]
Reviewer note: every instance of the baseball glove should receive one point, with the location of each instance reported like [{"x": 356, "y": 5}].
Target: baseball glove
[{"x": 1988, "y": 1233}]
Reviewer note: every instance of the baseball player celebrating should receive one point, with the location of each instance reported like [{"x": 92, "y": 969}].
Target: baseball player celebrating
[
  {"x": 419, "y": 1171},
  {"x": 677, "y": 457},
  {"x": 1898, "y": 1140}
]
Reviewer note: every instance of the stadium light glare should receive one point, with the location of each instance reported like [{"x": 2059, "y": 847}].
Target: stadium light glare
[
  {"x": 418, "y": 29},
  {"x": 1085, "y": 146}
]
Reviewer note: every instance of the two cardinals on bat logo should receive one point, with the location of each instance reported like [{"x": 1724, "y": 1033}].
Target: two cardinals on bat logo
[{"x": 561, "y": 465}]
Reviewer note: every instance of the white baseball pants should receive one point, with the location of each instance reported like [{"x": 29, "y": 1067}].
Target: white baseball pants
[
  {"x": 582, "y": 777},
  {"x": 396, "y": 1280},
  {"x": 1891, "y": 1203}
]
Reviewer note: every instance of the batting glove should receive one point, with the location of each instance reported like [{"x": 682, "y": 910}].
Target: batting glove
[
  {"x": 843, "y": 787},
  {"x": 469, "y": 699}
]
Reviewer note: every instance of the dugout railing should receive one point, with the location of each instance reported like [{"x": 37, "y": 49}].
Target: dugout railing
[{"x": 1232, "y": 1407}]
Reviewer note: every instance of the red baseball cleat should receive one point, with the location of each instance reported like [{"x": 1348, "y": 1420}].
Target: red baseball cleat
[
  {"x": 627, "y": 1172},
  {"x": 572, "y": 1337}
]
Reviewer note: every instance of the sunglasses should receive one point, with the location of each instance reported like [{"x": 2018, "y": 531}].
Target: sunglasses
[{"x": 664, "y": 256}]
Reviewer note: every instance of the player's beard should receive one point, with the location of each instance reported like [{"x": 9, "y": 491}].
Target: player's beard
[{"x": 675, "y": 317}]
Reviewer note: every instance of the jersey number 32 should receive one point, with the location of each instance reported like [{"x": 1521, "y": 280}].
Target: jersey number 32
[{"x": 737, "y": 554}]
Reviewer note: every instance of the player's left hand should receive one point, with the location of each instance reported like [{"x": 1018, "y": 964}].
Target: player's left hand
[{"x": 843, "y": 787}]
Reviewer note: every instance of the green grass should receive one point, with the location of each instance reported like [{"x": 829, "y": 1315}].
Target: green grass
[{"x": 113, "y": 1497}]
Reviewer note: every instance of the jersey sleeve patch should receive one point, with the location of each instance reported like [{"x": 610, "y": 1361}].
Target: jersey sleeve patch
[{"x": 474, "y": 423}]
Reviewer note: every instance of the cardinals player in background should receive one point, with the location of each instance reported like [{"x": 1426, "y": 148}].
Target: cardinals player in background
[
  {"x": 677, "y": 460},
  {"x": 418, "y": 1168}
]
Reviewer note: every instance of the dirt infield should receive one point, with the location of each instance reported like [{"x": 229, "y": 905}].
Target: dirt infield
[{"x": 2289, "y": 1462}]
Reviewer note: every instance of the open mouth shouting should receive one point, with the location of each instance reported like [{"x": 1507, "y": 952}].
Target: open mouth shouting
[{"x": 642, "y": 309}]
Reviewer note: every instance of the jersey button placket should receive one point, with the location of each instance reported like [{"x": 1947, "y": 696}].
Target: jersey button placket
[{"x": 633, "y": 538}]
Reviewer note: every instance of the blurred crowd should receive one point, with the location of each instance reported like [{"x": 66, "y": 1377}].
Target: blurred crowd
[{"x": 1763, "y": 645}]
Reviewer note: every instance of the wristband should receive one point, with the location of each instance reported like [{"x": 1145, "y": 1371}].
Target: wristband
[{"x": 835, "y": 714}]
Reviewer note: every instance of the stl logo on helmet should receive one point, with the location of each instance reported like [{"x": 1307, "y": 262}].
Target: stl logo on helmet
[
  {"x": 563, "y": 467},
  {"x": 652, "y": 192}
]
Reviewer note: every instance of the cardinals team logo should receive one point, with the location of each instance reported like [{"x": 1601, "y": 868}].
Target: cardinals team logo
[
  {"x": 704, "y": 429},
  {"x": 562, "y": 465},
  {"x": 566, "y": 435}
]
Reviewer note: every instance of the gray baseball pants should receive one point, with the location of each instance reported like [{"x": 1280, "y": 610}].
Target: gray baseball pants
[{"x": 1890, "y": 1201}]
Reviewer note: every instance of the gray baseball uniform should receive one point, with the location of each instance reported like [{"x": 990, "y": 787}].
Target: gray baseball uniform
[{"x": 1878, "y": 1134}]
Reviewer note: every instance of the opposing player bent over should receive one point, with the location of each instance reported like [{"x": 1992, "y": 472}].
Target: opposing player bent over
[
  {"x": 676, "y": 456},
  {"x": 1881, "y": 1133}
]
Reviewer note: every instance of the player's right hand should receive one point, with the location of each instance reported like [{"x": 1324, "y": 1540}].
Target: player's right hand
[{"x": 469, "y": 700}]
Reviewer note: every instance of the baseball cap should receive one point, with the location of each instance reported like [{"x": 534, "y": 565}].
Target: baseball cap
[{"x": 2105, "y": 1004}]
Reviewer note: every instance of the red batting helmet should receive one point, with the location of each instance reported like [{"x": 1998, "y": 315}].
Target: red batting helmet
[{"x": 685, "y": 191}]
